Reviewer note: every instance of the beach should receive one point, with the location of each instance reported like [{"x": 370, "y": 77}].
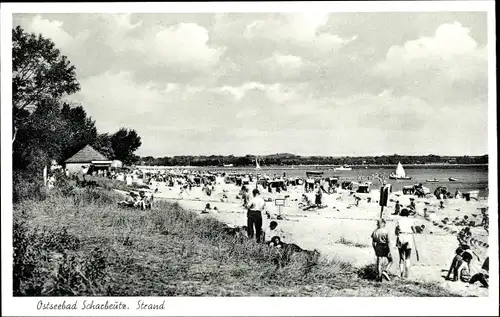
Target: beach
[{"x": 343, "y": 230}]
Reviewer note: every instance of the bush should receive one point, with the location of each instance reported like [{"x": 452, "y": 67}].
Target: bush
[
  {"x": 27, "y": 186},
  {"x": 48, "y": 262}
]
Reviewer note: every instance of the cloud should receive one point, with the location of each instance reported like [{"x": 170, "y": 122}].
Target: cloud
[
  {"x": 183, "y": 45},
  {"x": 395, "y": 113},
  {"x": 240, "y": 83},
  {"x": 451, "y": 52},
  {"x": 303, "y": 30},
  {"x": 276, "y": 93},
  {"x": 51, "y": 29}
]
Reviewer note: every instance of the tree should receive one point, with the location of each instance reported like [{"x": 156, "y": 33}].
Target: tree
[
  {"x": 104, "y": 145},
  {"x": 80, "y": 129},
  {"x": 41, "y": 138},
  {"x": 39, "y": 72},
  {"x": 124, "y": 143}
]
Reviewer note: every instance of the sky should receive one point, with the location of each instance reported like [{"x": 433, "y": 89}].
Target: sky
[{"x": 310, "y": 84}]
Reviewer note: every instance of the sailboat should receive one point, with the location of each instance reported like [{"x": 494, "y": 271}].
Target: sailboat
[
  {"x": 257, "y": 166},
  {"x": 400, "y": 173}
]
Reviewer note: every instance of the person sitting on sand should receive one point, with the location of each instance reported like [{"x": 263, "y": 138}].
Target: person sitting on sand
[
  {"x": 380, "y": 243},
  {"x": 397, "y": 208},
  {"x": 319, "y": 196},
  {"x": 130, "y": 201},
  {"x": 412, "y": 205},
  {"x": 464, "y": 268},
  {"x": 455, "y": 264},
  {"x": 404, "y": 242},
  {"x": 272, "y": 231},
  {"x": 256, "y": 207},
  {"x": 458, "y": 194},
  {"x": 207, "y": 209},
  {"x": 482, "y": 277},
  {"x": 357, "y": 200},
  {"x": 441, "y": 204}
]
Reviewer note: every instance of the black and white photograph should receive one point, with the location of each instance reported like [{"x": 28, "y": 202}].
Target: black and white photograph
[{"x": 257, "y": 151}]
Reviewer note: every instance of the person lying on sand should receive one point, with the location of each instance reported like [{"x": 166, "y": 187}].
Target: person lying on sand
[
  {"x": 482, "y": 277},
  {"x": 380, "y": 243},
  {"x": 130, "y": 201}
]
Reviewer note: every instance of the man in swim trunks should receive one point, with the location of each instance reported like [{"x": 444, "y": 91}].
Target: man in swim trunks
[
  {"x": 380, "y": 243},
  {"x": 404, "y": 242}
]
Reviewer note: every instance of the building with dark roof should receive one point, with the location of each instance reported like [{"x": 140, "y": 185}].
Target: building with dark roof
[{"x": 86, "y": 158}]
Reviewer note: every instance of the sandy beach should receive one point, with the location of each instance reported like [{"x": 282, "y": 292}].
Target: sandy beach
[{"x": 343, "y": 230}]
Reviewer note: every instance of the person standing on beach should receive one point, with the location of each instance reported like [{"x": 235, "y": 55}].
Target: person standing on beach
[
  {"x": 404, "y": 242},
  {"x": 380, "y": 243},
  {"x": 245, "y": 196},
  {"x": 254, "y": 216}
]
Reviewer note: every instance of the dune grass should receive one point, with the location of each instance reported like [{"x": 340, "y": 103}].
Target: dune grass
[{"x": 78, "y": 241}]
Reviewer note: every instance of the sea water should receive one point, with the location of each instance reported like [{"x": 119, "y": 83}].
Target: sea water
[{"x": 467, "y": 177}]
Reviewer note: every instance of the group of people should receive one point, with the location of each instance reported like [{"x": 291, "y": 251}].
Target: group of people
[
  {"x": 405, "y": 229},
  {"x": 140, "y": 200},
  {"x": 405, "y": 242},
  {"x": 256, "y": 208}
]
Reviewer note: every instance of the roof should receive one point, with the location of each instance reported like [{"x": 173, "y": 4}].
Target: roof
[{"x": 86, "y": 155}]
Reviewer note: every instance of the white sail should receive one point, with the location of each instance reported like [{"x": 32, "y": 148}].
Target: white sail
[
  {"x": 400, "y": 171},
  {"x": 257, "y": 166}
]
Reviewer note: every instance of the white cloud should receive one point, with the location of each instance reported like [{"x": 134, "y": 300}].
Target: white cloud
[
  {"x": 204, "y": 83},
  {"x": 286, "y": 61},
  {"x": 276, "y": 93},
  {"x": 302, "y": 29},
  {"x": 183, "y": 44},
  {"x": 51, "y": 29},
  {"x": 452, "y": 52}
]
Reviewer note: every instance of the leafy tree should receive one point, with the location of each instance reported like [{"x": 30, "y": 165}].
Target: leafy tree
[
  {"x": 39, "y": 72},
  {"x": 40, "y": 138},
  {"x": 124, "y": 143},
  {"x": 80, "y": 129},
  {"x": 104, "y": 145}
]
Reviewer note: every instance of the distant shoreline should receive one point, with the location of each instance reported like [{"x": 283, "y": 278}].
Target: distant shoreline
[{"x": 354, "y": 167}]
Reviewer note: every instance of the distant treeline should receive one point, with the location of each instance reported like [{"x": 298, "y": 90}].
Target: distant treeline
[{"x": 291, "y": 159}]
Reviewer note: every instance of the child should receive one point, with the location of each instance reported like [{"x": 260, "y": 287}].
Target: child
[
  {"x": 380, "y": 243},
  {"x": 455, "y": 263}
]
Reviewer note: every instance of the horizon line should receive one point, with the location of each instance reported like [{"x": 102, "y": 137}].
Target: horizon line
[{"x": 300, "y": 155}]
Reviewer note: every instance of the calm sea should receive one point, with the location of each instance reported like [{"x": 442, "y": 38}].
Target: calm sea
[{"x": 468, "y": 177}]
